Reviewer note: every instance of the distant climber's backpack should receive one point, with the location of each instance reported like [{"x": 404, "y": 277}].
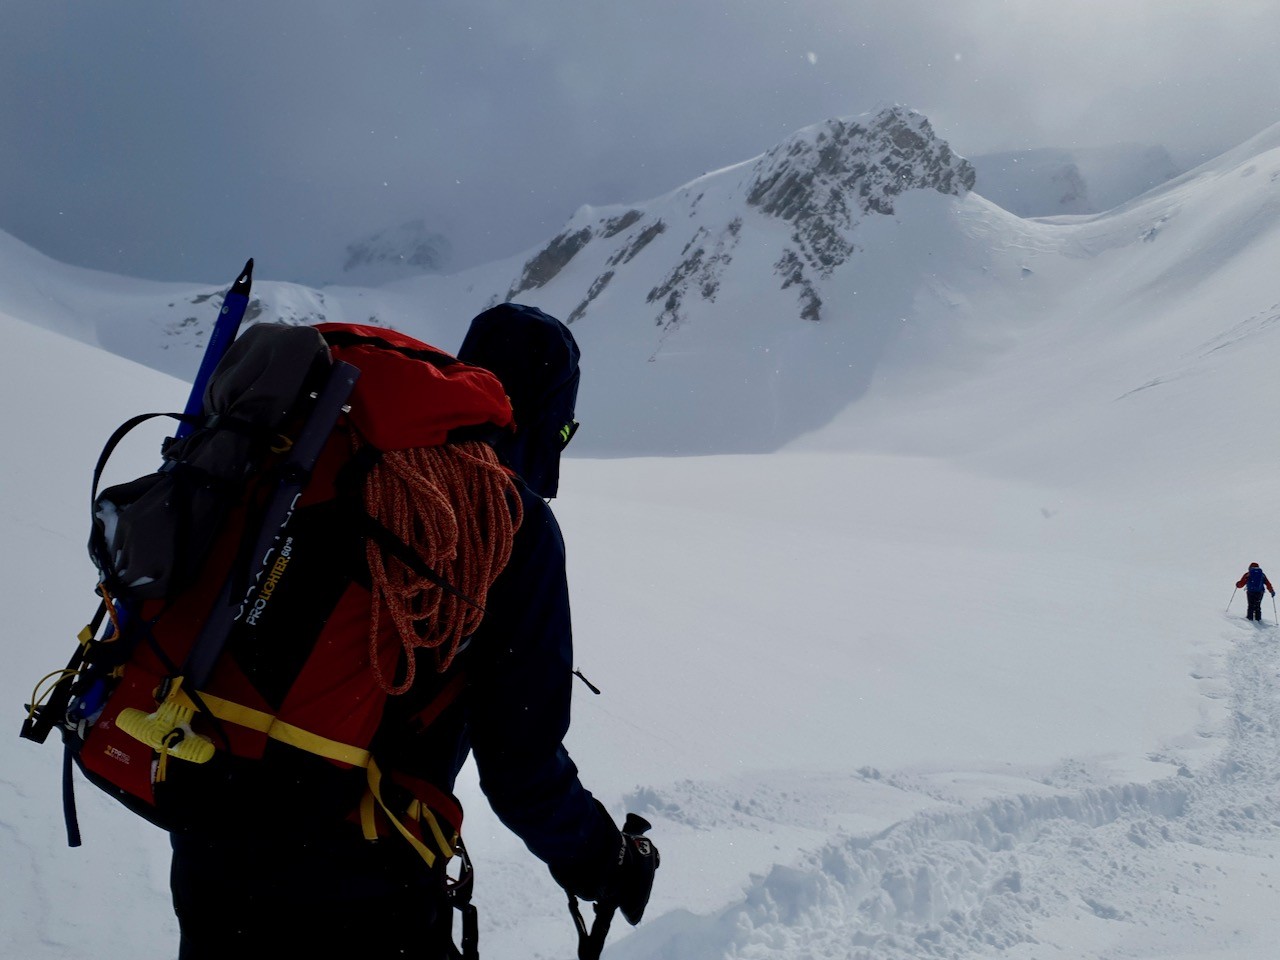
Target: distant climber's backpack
[
  {"x": 237, "y": 593},
  {"x": 1256, "y": 581}
]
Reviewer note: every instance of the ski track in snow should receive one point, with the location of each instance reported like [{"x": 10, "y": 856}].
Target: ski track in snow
[{"x": 990, "y": 879}]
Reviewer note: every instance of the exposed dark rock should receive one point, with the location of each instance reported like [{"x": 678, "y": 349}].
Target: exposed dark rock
[
  {"x": 616, "y": 225},
  {"x": 791, "y": 269},
  {"x": 597, "y": 285},
  {"x": 671, "y": 290},
  {"x": 543, "y": 266},
  {"x": 1074, "y": 189},
  {"x": 696, "y": 268},
  {"x": 638, "y": 243}
]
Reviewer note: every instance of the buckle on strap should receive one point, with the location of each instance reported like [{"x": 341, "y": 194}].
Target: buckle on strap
[{"x": 457, "y": 894}]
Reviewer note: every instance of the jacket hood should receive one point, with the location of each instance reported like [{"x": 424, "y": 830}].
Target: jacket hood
[{"x": 536, "y": 358}]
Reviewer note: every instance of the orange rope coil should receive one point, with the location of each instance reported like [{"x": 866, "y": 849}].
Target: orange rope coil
[{"x": 459, "y": 510}]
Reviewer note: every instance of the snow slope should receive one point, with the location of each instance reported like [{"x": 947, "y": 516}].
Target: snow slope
[{"x": 946, "y": 676}]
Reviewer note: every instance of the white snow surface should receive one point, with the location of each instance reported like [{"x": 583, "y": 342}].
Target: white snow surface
[{"x": 946, "y": 674}]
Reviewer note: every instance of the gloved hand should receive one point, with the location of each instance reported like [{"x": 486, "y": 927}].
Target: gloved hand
[
  {"x": 621, "y": 877},
  {"x": 637, "y": 863}
]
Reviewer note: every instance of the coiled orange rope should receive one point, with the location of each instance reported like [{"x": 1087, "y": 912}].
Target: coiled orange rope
[{"x": 458, "y": 509}]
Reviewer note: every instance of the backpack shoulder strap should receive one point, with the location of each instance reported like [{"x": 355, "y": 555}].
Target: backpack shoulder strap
[{"x": 348, "y": 483}]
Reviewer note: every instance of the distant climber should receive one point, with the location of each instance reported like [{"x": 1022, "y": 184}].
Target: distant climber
[{"x": 1255, "y": 582}]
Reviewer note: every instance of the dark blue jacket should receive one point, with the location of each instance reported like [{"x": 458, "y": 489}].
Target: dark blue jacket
[
  {"x": 513, "y": 715},
  {"x": 520, "y": 664}
]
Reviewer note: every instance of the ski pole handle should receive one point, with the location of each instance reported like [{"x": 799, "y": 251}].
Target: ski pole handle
[
  {"x": 591, "y": 939},
  {"x": 636, "y": 824}
]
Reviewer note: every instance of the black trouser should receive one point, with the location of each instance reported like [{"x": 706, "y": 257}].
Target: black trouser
[
  {"x": 1255, "y": 604},
  {"x": 334, "y": 896},
  {"x": 381, "y": 929}
]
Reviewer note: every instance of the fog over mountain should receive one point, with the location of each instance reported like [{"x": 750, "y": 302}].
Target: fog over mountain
[
  {"x": 1050, "y": 182},
  {"x": 405, "y": 250},
  {"x": 162, "y": 143}
]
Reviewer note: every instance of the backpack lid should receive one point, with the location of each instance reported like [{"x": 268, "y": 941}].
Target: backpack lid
[
  {"x": 536, "y": 358},
  {"x": 411, "y": 394}
]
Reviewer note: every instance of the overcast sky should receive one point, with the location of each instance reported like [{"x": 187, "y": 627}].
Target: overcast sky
[{"x": 177, "y": 140}]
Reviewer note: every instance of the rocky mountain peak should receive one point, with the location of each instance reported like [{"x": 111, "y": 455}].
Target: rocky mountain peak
[
  {"x": 825, "y": 178},
  {"x": 821, "y": 181}
]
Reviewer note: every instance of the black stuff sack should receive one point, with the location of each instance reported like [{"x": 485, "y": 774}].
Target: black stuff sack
[{"x": 151, "y": 536}]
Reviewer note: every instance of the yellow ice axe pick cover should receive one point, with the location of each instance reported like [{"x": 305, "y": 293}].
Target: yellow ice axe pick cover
[{"x": 168, "y": 729}]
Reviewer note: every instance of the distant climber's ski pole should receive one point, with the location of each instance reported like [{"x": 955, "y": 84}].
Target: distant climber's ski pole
[
  {"x": 1233, "y": 596},
  {"x": 1273, "y": 608}
]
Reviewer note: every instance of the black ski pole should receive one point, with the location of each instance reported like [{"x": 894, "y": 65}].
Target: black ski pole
[
  {"x": 1233, "y": 596},
  {"x": 591, "y": 942}
]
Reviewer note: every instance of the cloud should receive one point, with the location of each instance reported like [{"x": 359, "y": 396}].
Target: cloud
[{"x": 175, "y": 141}]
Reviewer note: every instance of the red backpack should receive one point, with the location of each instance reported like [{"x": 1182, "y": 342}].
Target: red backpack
[{"x": 258, "y": 658}]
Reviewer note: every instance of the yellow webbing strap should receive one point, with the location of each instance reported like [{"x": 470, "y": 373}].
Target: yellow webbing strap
[
  {"x": 418, "y": 810},
  {"x": 287, "y": 733},
  {"x": 313, "y": 743},
  {"x": 368, "y": 825}
]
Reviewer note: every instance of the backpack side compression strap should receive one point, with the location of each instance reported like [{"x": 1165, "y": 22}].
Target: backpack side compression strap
[{"x": 286, "y": 733}]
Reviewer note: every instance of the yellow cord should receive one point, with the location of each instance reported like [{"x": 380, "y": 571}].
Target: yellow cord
[{"x": 38, "y": 698}]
